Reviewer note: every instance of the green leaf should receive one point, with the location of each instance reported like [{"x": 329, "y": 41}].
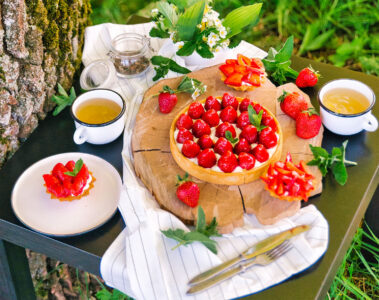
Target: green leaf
[
  {"x": 339, "y": 172},
  {"x": 370, "y": 65},
  {"x": 285, "y": 52},
  {"x": 211, "y": 228},
  {"x": 187, "y": 22},
  {"x": 240, "y": 17},
  {"x": 159, "y": 33},
  {"x": 319, "y": 41},
  {"x": 203, "y": 49},
  {"x": 187, "y": 49},
  {"x": 195, "y": 236},
  {"x": 167, "y": 89},
  {"x": 319, "y": 151},
  {"x": 77, "y": 168},
  {"x": 229, "y": 137},
  {"x": 169, "y": 12},
  {"x": 200, "y": 223},
  {"x": 62, "y": 91},
  {"x": 159, "y": 60},
  {"x": 177, "y": 235},
  {"x": 254, "y": 118},
  {"x": 183, "y": 4},
  {"x": 178, "y": 68}
]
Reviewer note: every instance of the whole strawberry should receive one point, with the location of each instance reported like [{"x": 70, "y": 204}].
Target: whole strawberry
[
  {"x": 227, "y": 162},
  {"x": 201, "y": 128},
  {"x": 268, "y": 138},
  {"x": 222, "y": 145},
  {"x": 207, "y": 158},
  {"x": 211, "y": 117},
  {"x": 212, "y": 102},
  {"x": 228, "y": 114},
  {"x": 195, "y": 110},
  {"x": 167, "y": 100},
  {"x": 187, "y": 191},
  {"x": 292, "y": 104},
  {"x": 190, "y": 149},
  {"x": 184, "y": 121},
  {"x": 308, "y": 124},
  {"x": 307, "y": 78},
  {"x": 223, "y": 127},
  {"x": 260, "y": 153}
]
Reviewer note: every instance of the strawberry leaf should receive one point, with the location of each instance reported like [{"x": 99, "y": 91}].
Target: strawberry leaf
[
  {"x": 283, "y": 96},
  {"x": 167, "y": 89},
  {"x": 77, "y": 168},
  {"x": 255, "y": 119}
]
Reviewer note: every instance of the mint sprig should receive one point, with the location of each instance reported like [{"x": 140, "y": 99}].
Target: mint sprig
[
  {"x": 77, "y": 168},
  {"x": 63, "y": 99},
  {"x": 202, "y": 233},
  {"x": 229, "y": 137},
  {"x": 255, "y": 119},
  {"x": 335, "y": 161},
  {"x": 188, "y": 85},
  {"x": 278, "y": 63}
]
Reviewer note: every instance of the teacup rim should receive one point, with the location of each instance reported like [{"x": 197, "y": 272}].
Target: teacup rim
[
  {"x": 346, "y": 115},
  {"x": 100, "y": 124}
]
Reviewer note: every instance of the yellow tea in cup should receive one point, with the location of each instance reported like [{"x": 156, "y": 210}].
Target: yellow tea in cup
[
  {"x": 345, "y": 101},
  {"x": 97, "y": 111}
]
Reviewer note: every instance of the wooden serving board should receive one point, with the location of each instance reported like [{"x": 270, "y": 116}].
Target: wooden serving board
[{"x": 157, "y": 169}]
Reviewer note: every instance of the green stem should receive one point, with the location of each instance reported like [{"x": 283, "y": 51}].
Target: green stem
[{"x": 178, "y": 245}]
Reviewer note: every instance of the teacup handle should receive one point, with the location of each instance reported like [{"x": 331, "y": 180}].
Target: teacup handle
[
  {"x": 371, "y": 123},
  {"x": 80, "y": 135}
]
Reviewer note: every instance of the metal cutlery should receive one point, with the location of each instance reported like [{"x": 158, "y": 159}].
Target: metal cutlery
[
  {"x": 257, "y": 249},
  {"x": 262, "y": 259}
]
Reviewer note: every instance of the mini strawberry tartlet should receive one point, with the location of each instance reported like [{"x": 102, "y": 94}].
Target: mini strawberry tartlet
[
  {"x": 225, "y": 140},
  {"x": 69, "y": 182},
  {"x": 243, "y": 73}
]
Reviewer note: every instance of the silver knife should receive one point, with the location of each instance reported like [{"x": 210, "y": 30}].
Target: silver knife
[{"x": 259, "y": 248}]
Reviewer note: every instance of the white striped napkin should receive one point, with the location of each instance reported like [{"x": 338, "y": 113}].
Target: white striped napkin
[{"x": 140, "y": 261}]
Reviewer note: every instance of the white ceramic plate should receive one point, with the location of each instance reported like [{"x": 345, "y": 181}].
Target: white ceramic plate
[{"x": 34, "y": 207}]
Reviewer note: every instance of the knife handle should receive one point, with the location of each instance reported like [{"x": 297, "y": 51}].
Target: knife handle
[
  {"x": 215, "y": 270},
  {"x": 219, "y": 278}
]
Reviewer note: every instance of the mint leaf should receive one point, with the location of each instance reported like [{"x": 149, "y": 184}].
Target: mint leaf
[
  {"x": 339, "y": 172},
  {"x": 229, "y": 137},
  {"x": 63, "y": 99},
  {"x": 178, "y": 68},
  {"x": 77, "y": 168},
  {"x": 164, "y": 64},
  {"x": 200, "y": 223},
  {"x": 211, "y": 228},
  {"x": 255, "y": 119},
  {"x": 285, "y": 52}
]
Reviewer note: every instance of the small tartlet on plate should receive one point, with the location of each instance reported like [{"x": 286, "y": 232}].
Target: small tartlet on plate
[{"x": 216, "y": 177}]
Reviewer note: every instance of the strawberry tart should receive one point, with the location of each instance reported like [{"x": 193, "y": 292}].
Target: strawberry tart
[
  {"x": 69, "y": 182},
  {"x": 225, "y": 140}
]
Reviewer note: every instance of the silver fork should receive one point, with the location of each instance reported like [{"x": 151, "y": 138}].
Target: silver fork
[{"x": 262, "y": 260}]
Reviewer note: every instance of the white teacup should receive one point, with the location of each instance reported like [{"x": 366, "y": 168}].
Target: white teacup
[
  {"x": 348, "y": 124},
  {"x": 103, "y": 133}
]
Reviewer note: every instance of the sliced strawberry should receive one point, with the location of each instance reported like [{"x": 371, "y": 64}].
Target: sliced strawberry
[
  {"x": 227, "y": 69},
  {"x": 253, "y": 79},
  {"x": 200, "y": 127},
  {"x": 228, "y": 114},
  {"x": 70, "y": 165},
  {"x": 255, "y": 70},
  {"x": 184, "y": 121},
  {"x": 54, "y": 186},
  {"x": 212, "y": 102},
  {"x": 239, "y": 69},
  {"x": 222, "y": 145},
  {"x": 235, "y": 79},
  {"x": 257, "y": 63},
  {"x": 59, "y": 170},
  {"x": 206, "y": 158},
  {"x": 243, "y": 60},
  {"x": 83, "y": 173},
  {"x": 78, "y": 186},
  {"x": 184, "y": 135},
  {"x": 231, "y": 61}
]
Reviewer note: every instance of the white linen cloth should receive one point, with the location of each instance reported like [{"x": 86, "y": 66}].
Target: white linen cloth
[{"x": 140, "y": 261}]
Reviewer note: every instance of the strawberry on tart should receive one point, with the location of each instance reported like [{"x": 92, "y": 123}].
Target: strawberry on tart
[{"x": 225, "y": 140}]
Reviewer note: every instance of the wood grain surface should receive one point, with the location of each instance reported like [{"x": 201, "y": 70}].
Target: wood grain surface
[{"x": 157, "y": 169}]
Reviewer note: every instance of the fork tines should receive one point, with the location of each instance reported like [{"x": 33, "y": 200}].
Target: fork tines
[{"x": 279, "y": 250}]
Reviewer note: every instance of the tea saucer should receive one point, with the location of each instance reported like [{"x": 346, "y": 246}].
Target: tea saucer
[{"x": 34, "y": 207}]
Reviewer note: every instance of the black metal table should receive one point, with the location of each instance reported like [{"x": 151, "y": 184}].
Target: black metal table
[{"x": 343, "y": 207}]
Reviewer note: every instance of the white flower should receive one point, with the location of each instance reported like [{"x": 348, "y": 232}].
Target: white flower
[
  {"x": 213, "y": 36},
  {"x": 195, "y": 94},
  {"x": 219, "y": 24},
  {"x": 178, "y": 46},
  {"x": 211, "y": 43},
  {"x": 154, "y": 12},
  {"x": 204, "y": 20},
  {"x": 225, "y": 44},
  {"x": 223, "y": 33},
  {"x": 218, "y": 49},
  {"x": 199, "y": 26}
]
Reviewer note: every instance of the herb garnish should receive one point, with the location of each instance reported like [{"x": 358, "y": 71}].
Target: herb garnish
[
  {"x": 254, "y": 118},
  {"x": 202, "y": 233},
  {"x": 229, "y": 137},
  {"x": 188, "y": 85},
  {"x": 164, "y": 64},
  {"x": 335, "y": 161},
  {"x": 63, "y": 99},
  {"x": 77, "y": 168},
  {"x": 278, "y": 63}
]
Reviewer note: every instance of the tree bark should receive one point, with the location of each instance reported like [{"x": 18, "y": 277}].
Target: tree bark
[{"x": 40, "y": 45}]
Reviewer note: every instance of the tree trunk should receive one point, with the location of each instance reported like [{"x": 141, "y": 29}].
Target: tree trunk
[{"x": 40, "y": 45}]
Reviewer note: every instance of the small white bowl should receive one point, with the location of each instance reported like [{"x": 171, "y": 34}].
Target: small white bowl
[
  {"x": 348, "y": 124},
  {"x": 98, "y": 134}
]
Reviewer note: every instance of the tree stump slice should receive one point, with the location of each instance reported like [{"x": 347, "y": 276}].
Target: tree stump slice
[{"x": 155, "y": 166}]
